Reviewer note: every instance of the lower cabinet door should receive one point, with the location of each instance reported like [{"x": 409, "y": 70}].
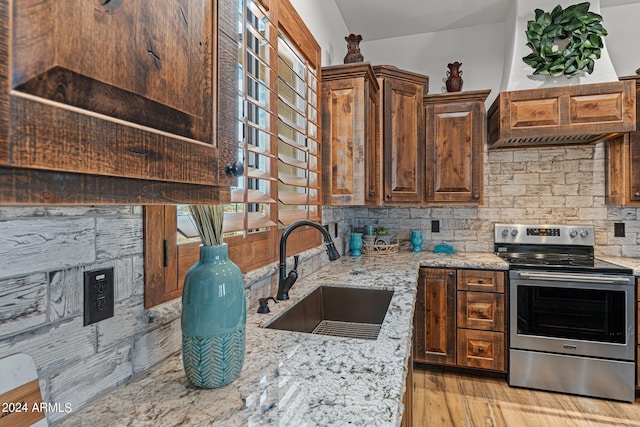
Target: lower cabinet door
[{"x": 481, "y": 349}]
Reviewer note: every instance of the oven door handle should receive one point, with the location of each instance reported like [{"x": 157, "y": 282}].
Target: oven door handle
[{"x": 574, "y": 277}]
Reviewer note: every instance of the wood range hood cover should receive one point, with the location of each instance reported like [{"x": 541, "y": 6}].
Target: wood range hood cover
[
  {"x": 563, "y": 115},
  {"x": 540, "y": 110}
]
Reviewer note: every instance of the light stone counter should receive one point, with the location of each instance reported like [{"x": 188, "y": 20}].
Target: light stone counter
[
  {"x": 475, "y": 260},
  {"x": 296, "y": 379},
  {"x": 632, "y": 263}
]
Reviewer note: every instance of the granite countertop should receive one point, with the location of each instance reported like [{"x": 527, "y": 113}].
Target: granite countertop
[
  {"x": 297, "y": 379},
  {"x": 632, "y": 263}
]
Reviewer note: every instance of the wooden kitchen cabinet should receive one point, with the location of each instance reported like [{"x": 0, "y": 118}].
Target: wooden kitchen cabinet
[
  {"x": 117, "y": 102},
  {"x": 401, "y": 126},
  {"x": 460, "y": 318},
  {"x": 435, "y": 317},
  {"x": 638, "y": 335},
  {"x": 481, "y": 349},
  {"x": 622, "y": 178},
  {"x": 455, "y": 138},
  {"x": 350, "y": 142}
]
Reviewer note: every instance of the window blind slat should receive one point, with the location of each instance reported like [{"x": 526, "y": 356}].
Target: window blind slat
[
  {"x": 233, "y": 222},
  {"x": 259, "y": 174},
  {"x": 288, "y": 216},
  {"x": 257, "y": 196},
  {"x": 291, "y": 198},
  {"x": 258, "y": 220}
]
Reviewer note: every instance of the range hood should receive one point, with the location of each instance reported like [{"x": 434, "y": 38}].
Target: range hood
[{"x": 535, "y": 111}]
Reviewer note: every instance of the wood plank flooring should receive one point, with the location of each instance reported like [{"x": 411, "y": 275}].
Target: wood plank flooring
[{"x": 442, "y": 399}]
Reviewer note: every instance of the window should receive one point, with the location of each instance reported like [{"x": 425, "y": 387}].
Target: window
[
  {"x": 298, "y": 145},
  {"x": 278, "y": 140}
]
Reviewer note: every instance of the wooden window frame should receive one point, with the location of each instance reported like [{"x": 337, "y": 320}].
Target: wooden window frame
[{"x": 166, "y": 261}]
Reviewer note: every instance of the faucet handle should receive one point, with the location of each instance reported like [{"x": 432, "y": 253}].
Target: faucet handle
[{"x": 296, "y": 258}]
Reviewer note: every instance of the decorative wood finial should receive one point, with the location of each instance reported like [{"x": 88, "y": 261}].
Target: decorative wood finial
[{"x": 353, "y": 49}]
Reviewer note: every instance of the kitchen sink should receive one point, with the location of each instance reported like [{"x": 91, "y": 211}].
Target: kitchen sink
[{"x": 337, "y": 311}]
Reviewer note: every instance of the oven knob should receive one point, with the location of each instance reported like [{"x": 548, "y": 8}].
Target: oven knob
[
  {"x": 514, "y": 233},
  {"x": 573, "y": 233},
  {"x": 505, "y": 232},
  {"x": 584, "y": 233}
]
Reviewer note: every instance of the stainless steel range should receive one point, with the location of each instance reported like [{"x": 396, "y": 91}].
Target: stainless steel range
[{"x": 571, "y": 315}]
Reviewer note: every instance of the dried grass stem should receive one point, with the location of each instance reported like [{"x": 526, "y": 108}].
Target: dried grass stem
[{"x": 208, "y": 220}]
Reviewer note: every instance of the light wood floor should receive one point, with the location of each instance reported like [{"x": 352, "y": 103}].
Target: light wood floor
[{"x": 443, "y": 399}]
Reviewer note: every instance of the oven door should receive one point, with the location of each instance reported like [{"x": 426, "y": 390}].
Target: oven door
[{"x": 572, "y": 313}]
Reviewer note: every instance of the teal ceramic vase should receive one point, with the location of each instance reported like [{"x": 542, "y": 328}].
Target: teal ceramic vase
[
  {"x": 356, "y": 244},
  {"x": 416, "y": 241},
  {"x": 213, "y": 319}
]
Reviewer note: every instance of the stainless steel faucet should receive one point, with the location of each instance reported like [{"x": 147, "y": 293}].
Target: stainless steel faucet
[{"x": 285, "y": 282}]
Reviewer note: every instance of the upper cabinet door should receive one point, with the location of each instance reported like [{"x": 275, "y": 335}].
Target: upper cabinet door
[
  {"x": 117, "y": 102},
  {"x": 349, "y": 139},
  {"x": 402, "y": 134},
  {"x": 622, "y": 154},
  {"x": 455, "y": 124}
]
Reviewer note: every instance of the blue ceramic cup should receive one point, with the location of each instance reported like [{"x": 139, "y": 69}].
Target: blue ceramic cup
[
  {"x": 356, "y": 244},
  {"x": 416, "y": 241}
]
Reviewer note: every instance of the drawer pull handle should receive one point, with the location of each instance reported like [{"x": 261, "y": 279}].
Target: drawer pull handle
[
  {"x": 480, "y": 350},
  {"x": 480, "y": 312},
  {"x": 480, "y": 281}
]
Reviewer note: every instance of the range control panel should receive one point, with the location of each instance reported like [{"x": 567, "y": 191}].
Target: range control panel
[{"x": 545, "y": 234}]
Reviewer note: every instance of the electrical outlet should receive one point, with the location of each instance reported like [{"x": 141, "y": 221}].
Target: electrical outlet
[
  {"x": 618, "y": 229},
  {"x": 98, "y": 295},
  {"x": 435, "y": 226}
]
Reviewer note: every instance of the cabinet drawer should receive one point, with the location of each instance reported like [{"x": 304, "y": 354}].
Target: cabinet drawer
[
  {"x": 481, "y": 349},
  {"x": 481, "y": 280},
  {"x": 481, "y": 310}
]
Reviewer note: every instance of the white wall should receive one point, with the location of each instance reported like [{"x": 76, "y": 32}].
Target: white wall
[
  {"x": 325, "y": 22},
  {"x": 480, "y": 49},
  {"x": 623, "y": 41}
]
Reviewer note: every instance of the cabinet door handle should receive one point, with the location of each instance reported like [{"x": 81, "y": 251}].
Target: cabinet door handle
[
  {"x": 234, "y": 169},
  {"x": 388, "y": 196},
  {"x": 451, "y": 274},
  {"x": 636, "y": 194},
  {"x": 371, "y": 194},
  {"x": 476, "y": 196}
]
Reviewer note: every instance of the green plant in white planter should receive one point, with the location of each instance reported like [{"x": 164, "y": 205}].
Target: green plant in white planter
[
  {"x": 382, "y": 233},
  {"x": 213, "y": 307},
  {"x": 582, "y": 30}
]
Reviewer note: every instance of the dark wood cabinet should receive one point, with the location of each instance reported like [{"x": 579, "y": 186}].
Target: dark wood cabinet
[
  {"x": 435, "y": 317},
  {"x": 401, "y": 124},
  {"x": 455, "y": 138},
  {"x": 117, "y": 102},
  {"x": 622, "y": 179},
  {"x": 460, "y": 318},
  {"x": 349, "y": 135}
]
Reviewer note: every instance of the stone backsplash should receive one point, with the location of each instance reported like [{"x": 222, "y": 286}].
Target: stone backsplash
[{"x": 543, "y": 185}]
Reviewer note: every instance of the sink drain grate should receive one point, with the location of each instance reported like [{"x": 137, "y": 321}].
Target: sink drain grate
[{"x": 367, "y": 331}]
